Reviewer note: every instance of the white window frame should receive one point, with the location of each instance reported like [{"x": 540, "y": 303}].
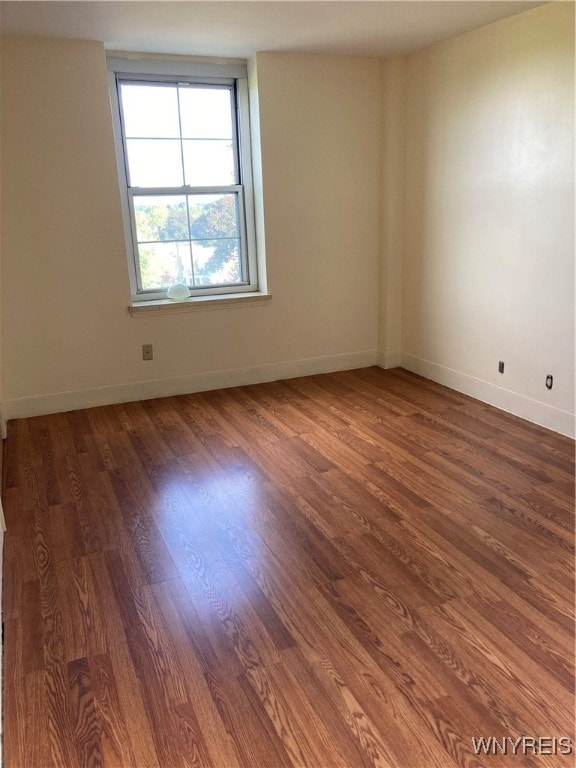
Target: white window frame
[{"x": 202, "y": 72}]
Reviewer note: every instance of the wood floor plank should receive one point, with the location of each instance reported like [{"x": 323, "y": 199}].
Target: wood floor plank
[
  {"x": 61, "y": 719},
  {"x": 115, "y": 742},
  {"x": 337, "y": 656},
  {"x": 149, "y": 665},
  {"x": 17, "y": 716},
  {"x": 479, "y": 644},
  {"x": 87, "y": 737},
  {"x": 201, "y": 673},
  {"x": 83, "y": 621},
  {"x": 353, "y": 570},
  {"x": 36, "y": 749},
  {"x": 325, "y": 728}
]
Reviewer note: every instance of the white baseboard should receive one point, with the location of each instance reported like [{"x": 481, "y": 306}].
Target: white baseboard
[
  {"x": 200, "y": 382},
  {"x": 389, "y": 359},
  {"x": 525, "y": 407},
  {"x": 512, "y": 402}
]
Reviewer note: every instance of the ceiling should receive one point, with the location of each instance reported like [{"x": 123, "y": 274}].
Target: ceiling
[{"x": 239, "y": 29}]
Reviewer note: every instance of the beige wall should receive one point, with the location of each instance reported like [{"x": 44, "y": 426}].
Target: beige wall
[
  {"x": 489, "y": 260},
  {"x": 321, "y": 200},
  {"x": 66, "y": 328},
  {"x": 393, "y": 173}
]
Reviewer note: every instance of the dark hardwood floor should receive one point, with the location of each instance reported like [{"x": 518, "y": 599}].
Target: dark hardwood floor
[{"x": 348, "y": 570}]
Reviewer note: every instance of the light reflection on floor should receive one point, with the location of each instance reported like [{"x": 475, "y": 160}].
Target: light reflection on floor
[{"x": 211, "y": 522}]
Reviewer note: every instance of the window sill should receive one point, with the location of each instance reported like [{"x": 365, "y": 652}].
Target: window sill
[{"x": 170, "y": 307}]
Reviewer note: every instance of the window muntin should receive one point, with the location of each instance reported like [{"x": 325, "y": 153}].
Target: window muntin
[{"x": 186, "y": 170}]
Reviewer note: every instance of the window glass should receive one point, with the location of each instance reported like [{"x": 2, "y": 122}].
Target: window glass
[
  {"x": 154, "y": 162},
  {"x": 150, "y": 111},
  {"x": 206, "y": 113},
  {"x": 208, "y": 163},
  {"x": 161, "y": 218},
  {"x": 163, "y": 264},
  {"x": 192, "y": 239},
  {"x": 186, "y": 219}
]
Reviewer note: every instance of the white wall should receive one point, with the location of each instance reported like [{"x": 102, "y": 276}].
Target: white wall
[
  {"x": 68, "y": 339},
  {"x": 489, "y": 236}
]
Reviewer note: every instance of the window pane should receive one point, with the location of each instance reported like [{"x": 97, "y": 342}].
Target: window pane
[
  {"x": 213, "y": 216},
  {"x": 161, "y": 218},
  {"x": 154, "y": 162},
  {"x": 206, "y": 113},
  {"x": 217, "y": 261},
  {"x": 208, "y": 163},
  {"x": 162, "y": 264},
  {"x": 150, "y": 110}
]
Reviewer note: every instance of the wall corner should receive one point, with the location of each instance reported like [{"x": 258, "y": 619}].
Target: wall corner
[{"x": 393, "y": 150}]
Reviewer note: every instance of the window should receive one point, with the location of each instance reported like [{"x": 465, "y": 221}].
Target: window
[{"x": 182, "y": 134}]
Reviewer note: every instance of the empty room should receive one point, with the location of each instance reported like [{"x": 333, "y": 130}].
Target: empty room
[{"x": 287, "y": 384}]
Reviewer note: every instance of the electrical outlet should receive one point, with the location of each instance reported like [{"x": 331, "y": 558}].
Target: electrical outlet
[
  {"x": 147, "y": 353},
  {"x": 501, "y": 366}
]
